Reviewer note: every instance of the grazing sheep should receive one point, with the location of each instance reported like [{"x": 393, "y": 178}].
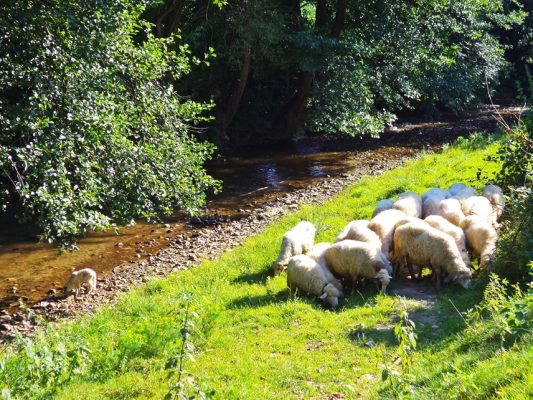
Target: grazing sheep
[
  {"x": 358, "y": 230},
  {"x": 495, "y": 195},
  {"x": 460, "y": 191},
  {"x": 426, "y": 246},
  {"x": 318, "y": 253},
  {"x": 443, "y": 225},
  {"x": 383, "y": 205},
  {"x": 480, "y": 206},
  {"x": 85, "y": 276},
  {"x": 306, "y": 274},
  {"x": 298, "y": 240},
  {"x": 481, "y": 240},
  {"x": 354, "y": 260},
  {"x": 410, "y": 203},
  {"x": 383, "y": 225},
  {"x": 450, "y": 209},
  {"x": 431, "y": 200}
]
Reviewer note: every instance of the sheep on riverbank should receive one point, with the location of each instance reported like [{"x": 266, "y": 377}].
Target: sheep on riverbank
[
  {"x": 443, "y": 225},
  {"x": 318, "y": 253},
  {"x": 460, "y": 191},
  {"x": 495, "y": 195},
  {"x": 355, "y": 260},
  {"x": 480, "y": 206},
  {"x": 86, "y": 276},
  {"x": 298, "y": 240},
  {"x": 450, "y": 209},
  {"x": 358, "y": 230},
  {"x": 481, "y": 240},
  {"x": 383, "y": 205},
  {"x": 426, "y": 246},
  {"x": 410, "y": 204},
  {"x": 383, "y": 225},
  {"x": 305, "y": 274},
  {"x": 431, "y": 199}
]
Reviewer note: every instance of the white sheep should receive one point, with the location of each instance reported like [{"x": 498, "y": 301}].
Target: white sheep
[
  {"x": 495, "y": 195},
  {"x": 480, "y": 206},
  {"x": 86, "y": 276},
  {"x": 410, "y": 203},
  {"x": 450, "y": 209},
  {"x": 298, "y": 240},
  {"x": 355, "y": 260},
  {"x": 481, "y": 240},
  {"x": 443, "y": 225},
  {"x": 307, "y": 275},
  {"x": 383, "y": 225},
  {"x": 383, "y": 205},
  {"x": 358, "y": 230},
  {"x": 460, "y": 191},
  {"x": 318, "y": 253},
  {"x": 431, "y": 199},
  {"x": 426, "y": 246}
]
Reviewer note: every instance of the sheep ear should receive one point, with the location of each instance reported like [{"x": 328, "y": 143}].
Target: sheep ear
[{"x": 324, "y": 295}]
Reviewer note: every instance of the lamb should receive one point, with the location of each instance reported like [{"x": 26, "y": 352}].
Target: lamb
[
  {"x": 460, "y": 191},
  {"x": 450, "y": 209},
  {"x": 410, "y": 203},
  {"x": 495, "y": 195},
  {"x": 306, "y": 274},
  {"x": 318, "y": 253},
  {"x": 480, "y": 206},
  {"x": 481, "y": 239},
  {"x": 298, "y": 240},
  {"x": 443, "y": 225},
  {"x": 358, "y": 230},
  {"x": 431, "y": 200},
  {"x": 85, "y": 276},
  {"x": 383, "y": 225},
  {"x": 426, "y": 246},
  {"x": 354, "y": 260},
  {"x": 383, "y": 205}
]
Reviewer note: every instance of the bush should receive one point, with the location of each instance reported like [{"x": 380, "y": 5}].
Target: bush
[
  {"x": 91, "y": 136},
  {"x": 516, "y": 178}
]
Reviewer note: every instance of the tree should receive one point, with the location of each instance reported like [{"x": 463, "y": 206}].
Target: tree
[{"x": 91, "y": 136}]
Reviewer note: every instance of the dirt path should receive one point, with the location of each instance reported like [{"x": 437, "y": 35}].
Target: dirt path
[{"x": 210, "y": 236}]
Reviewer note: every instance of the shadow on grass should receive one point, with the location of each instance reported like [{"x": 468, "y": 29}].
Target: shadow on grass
[
  {"x": 260, "y": 300},
  {"x": 254, "y": 277},
  {"x": 369, "y": 337}
]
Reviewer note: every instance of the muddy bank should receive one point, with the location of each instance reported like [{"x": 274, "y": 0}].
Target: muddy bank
[
  {"x": 184, "y": 251},
  {"x": 239, "y": 212}
]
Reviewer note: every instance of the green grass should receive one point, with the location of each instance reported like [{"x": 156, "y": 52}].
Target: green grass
[{"x": 254, "y": 341}]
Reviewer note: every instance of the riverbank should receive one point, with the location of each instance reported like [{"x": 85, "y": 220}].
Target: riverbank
[
  {"x": 248, "y": 338},
  {"x": 228, "y": 219}
]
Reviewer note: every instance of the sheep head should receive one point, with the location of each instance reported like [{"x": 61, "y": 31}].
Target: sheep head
[{"x": 330, "y": 294}]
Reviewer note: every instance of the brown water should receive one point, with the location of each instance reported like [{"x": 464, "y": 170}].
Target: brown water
[{"x": 28, "y": 269}]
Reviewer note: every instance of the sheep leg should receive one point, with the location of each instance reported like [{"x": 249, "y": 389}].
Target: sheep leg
[
  {"x": 90, "y": 287},
  {"x": 437, "y": 279},
  {"x": 411, "y": 272}
]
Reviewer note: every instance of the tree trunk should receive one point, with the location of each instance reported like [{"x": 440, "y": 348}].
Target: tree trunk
[
  {"x": 167, "y": 23},
  {"x": 230, "y": 103},
  {"x": 340, "y": 15},
  {"x": 292, "y": 116}
]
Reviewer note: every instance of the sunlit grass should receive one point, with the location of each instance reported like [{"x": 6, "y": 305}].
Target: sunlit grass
[{"x": 254, "y": 341}]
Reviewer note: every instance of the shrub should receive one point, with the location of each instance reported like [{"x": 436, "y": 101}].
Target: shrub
[
  {"x": 91, "y": 136},
  {"x": 516, "y": 178}
]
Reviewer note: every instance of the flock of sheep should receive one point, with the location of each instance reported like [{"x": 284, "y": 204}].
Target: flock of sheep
[{"x": 434, "y": 230}]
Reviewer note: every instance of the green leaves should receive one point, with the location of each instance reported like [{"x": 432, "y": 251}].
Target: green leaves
[{"x": 95, "y": 134}]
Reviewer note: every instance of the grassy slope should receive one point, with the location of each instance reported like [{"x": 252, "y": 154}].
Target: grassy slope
[{"x": 254, "y": 341}]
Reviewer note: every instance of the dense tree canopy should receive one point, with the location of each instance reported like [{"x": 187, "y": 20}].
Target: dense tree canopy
[
  {"x": 94, "y": 134},
  {"x": 90, "y": 136},
  {"x": 338, "y": 66}
]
